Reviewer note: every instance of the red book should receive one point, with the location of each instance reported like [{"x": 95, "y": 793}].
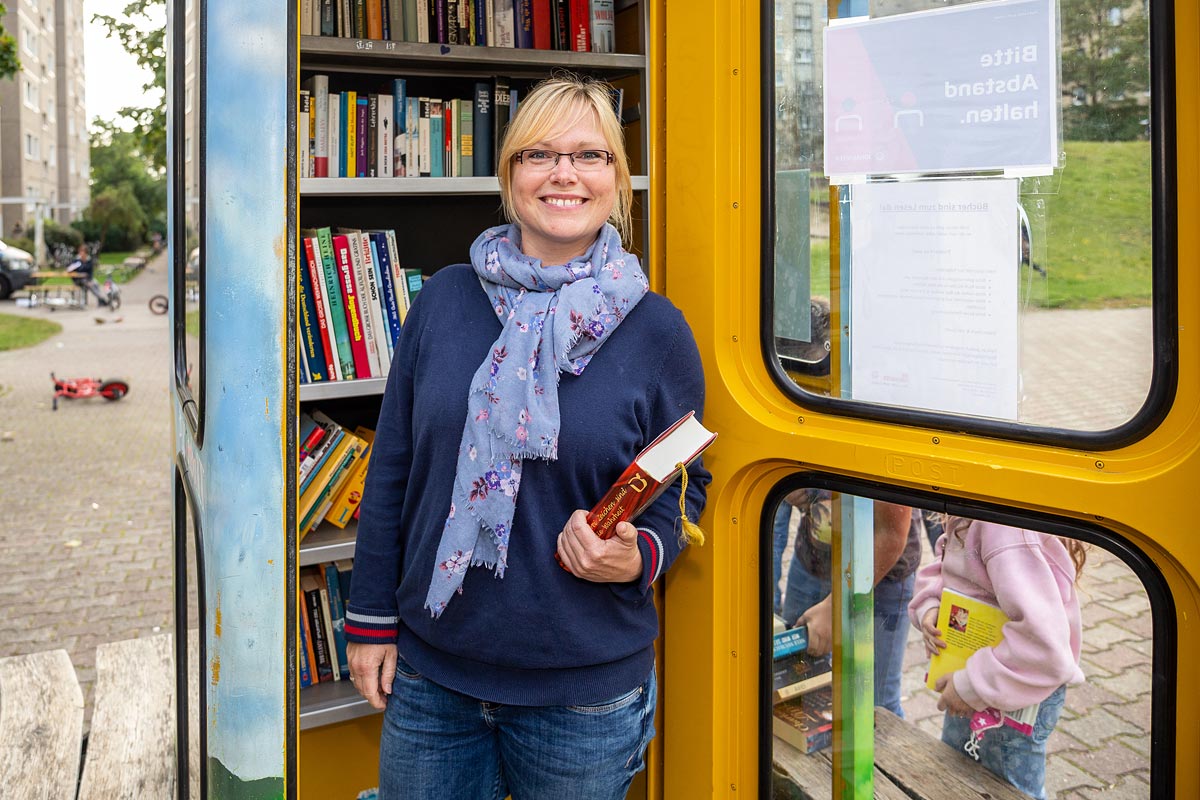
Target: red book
[
  {"x": 580, "y": 27},
  {"x": 316, "y": 278},
  {"x": 358, "y": 343},
  {"x": 541, "y": 24},
  {"x": 654, "y": 469}
]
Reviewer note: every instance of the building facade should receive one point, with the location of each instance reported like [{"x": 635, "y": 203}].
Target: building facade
[{"x": 44, "y": 145}]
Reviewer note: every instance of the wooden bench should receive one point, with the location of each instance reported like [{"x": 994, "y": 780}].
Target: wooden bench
[
  {"x": 41, "y": 726},
  {"x": 909, "y": 765}
]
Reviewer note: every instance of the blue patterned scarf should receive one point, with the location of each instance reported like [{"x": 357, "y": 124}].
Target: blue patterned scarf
[{"x": 555, "y": 319}]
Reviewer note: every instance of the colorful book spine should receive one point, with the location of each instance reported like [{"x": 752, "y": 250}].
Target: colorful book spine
[
  {"x": 350, "y": 139},
  {"x": 387, "y": 287},
  {"x": 362, "y": 152},
  {"x": 386, "y": 138},
  {"x": 337, "y": 615},
  {"x": 321, "y": 303},
  {"x": 437, "y": 138},
  {"x": 345, "y": 504},
  {"x": 481, "y": 23},
  {"x": 501, "y": 103},
  {"x": 481, "y": 131},
  {"x": 400, "y": 127},
  {"x": 603, "y": 26},
  {"x": 423, "y": 133},
  {"x": 333, "y": 134},
  {"x": 319, "y": 89},
  {"x": 466, "y": 138},
  {"x": 337, "y": 304},
  {"x": 310, "y": 333},
  {"x": 354, "y": 330},
  {"x": 504, "y": 21},
  {"x": 523, "y": 14},
  {"x": 580, "y": 26}
]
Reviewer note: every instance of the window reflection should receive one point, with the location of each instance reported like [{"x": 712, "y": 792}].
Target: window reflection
[
  {"x": 1082, "y": 236},
  {"x": 1075, "y": 653}
]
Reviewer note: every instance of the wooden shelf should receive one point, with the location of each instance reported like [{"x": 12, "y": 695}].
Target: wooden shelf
[
  {"x": 332, "y": 390},
  {"x": 328, "y": 543},
  {"x": 345, "y": 187},
  {"x": 336, "y": 54},
  {"x": 327, "y": 703}
]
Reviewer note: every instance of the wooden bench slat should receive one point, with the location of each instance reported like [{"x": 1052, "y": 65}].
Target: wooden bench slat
[
  {"x": 131, "y": 748},
  {"x": 928, "y": 768},
  {"x": 809, "y": 776},
  {"x": 41, "y": 726}
]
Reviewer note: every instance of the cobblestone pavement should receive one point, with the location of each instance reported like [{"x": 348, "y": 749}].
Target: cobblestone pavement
[
  {"x": 85, "y": 550},
  {"x": 85, "y": 490}
]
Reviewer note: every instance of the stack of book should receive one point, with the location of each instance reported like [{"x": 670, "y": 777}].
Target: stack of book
[
  {"x": 578, "y": 25},
  {"x": 354, "y": 297},
  {"x": 392, "y": 134},
  {"x": 332, "y": 471},
  {"x": 802, "y": 692},
  {"x": 324, "y": 589}
]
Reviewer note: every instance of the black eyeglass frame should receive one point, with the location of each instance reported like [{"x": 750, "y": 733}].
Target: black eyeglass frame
[{"x": 520, "y": 155}]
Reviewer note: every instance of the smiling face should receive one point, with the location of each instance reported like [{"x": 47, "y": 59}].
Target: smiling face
[{"x": 562, "y": 210}]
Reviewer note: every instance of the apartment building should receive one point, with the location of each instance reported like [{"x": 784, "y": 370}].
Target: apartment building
[{"x": 43, "y": 119}]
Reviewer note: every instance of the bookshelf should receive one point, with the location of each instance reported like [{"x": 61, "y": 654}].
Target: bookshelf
[{"x": 435, "y": 218}]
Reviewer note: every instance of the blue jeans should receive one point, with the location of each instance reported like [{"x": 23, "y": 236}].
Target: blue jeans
[
  {"x": 438, "y": 743},
  {"x": 1015, "y": 757},
  {"x": 805, "y": 590},
  {"x": 779, "y": 530}
]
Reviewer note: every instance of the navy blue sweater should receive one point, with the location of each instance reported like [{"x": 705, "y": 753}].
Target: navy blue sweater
[{"x": 538, "y": 636}]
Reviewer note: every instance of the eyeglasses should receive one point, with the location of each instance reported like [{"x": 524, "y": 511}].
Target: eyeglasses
[{"x": 582, "y": 160}]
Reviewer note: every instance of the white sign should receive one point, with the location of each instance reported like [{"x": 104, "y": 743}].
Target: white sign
[
  {"x": 966, "y": 88},
  {"x": 933, "y": 318}
]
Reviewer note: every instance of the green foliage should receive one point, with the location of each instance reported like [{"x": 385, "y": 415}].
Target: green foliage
[
  {"x": 1096, "y": 228},
  {"x": 117, "y": 216},
  {"x": 10, "y": 64},
  {"x": 17, "y": 331},
  {"x": 120, "y": 157},
  {"x": 1105, "y": 69},
  {"x": 141, "y": 33},
  {"x": 54, "y": 234},
  {"x": 21, "y": 243}
]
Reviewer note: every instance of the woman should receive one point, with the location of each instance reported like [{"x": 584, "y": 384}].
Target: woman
[{"x": 550, "y": 365}]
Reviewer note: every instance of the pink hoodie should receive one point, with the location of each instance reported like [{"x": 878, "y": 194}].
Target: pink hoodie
[{"x": 1031, "y": 577}]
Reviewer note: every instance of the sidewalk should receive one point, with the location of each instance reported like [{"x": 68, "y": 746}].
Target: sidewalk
[{"x": 85, "y": 490}]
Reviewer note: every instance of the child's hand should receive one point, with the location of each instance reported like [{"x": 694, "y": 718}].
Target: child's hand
[
  {"x": 950, "y": 699},
  {"x": 934, "y": 643}
]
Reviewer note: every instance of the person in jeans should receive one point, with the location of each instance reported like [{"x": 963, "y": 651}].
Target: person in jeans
[
  {"x": 522, "y": 385},
  {"x": 1031, "y": 577},
  {"x": 81, "y": 271},
  {"x": 807, "y": 599}
]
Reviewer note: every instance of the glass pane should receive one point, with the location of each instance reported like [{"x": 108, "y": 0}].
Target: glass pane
[
  {"x": 1074, "y": 662},
  {"x": 983, "y": 292},
  {"x": 189, "y": 282}
]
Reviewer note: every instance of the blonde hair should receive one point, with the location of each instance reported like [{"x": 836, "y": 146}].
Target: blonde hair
[{"x": 553, "y": 106}]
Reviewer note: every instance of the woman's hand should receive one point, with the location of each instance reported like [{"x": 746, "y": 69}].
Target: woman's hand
[
  {"x": 819, "y": 619},
  {"x": 372, "y": 670},
  {"x": 934, "y": 643},
  {"x": 587, "y": 556},
  {"x": 950, "y": 699}
]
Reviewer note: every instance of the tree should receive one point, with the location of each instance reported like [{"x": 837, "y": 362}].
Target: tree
[
  {"x": 142, "y": 34},
  {"x": 117, "y": 209},
  {"x": 9, "y": 63},
  {"x": 119, "y": 157},
  {"x": 1105, "y": 68}
]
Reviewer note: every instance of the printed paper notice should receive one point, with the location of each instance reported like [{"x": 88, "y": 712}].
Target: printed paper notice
[{"x": 934, "y": 295}]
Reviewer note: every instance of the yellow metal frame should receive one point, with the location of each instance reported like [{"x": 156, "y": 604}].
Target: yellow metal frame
[{"x": 711, "y": 205}]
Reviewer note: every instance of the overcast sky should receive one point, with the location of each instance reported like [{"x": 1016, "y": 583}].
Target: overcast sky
[{"x": 113, "y": 78}]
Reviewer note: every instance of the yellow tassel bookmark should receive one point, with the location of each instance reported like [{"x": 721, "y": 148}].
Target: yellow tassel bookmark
[{"x": 692, "y": 533}]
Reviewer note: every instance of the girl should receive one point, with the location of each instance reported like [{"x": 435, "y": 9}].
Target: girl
[{"x": 1031, "y": 576}]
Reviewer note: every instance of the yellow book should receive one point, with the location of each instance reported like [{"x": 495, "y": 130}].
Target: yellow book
[
  {"x": 967, "y": 625},
  {"x": 332, "y": 461},
  {"x": 351, "y": 100},
  {"x": 346, "y": 501}
]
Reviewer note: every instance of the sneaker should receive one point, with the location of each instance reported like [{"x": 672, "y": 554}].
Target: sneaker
[{"x": 102, "y": 302}]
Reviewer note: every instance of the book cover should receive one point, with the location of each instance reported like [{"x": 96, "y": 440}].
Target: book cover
[
  {"x": 789, "y": 641},
  {"x": 366, "y": 296},
  {"x": 333, "y": 135},
  {"x": 523, "y": 15},
  {"x": 400, "y": 127},
  {"x": 304, "y": 658},
  {"x": 359, "y": 22},
  {"x": 377, "y": 322},
  {"x": 362, "y": 134},
  {"x": 437, "y": 139},
  {"x": 453, "y": 23},
  {"x": 421, "y": 18},
  {"x": 466, "y": 138},
  {"x": 321, "y": 303},
  {"x": 345, "y": 568},
  {"x": 318, "y": 87},
  {"x": 374, "y": 19},
  {"x": 385, "y": 141},
  {"x": 603, "y": 26},
  {"x": 310, "y": 588},
  {"x": 450, "y": 145},
  {"x": 437, "y": 24},
  {"x": 335, "y": 669},
  {"x": 337, "y": 304},
  {"x": 322, "y": 475},
  {"x": 388, "y": 290},
  {"x": 481, "y": 131},
  {"x": 303, "y": 145},
  {"x": 797, "y": 674},
  {"x": 345, "y": 503},
  {"x": 353, "y": 310},
  {"x": 322, "y": 500},
  {"x": 580, "y": 18},
  {"x": 423, "y": 134},
  {"x": 328, "y": 18},
  {"x": 542, "y": 24},
  {"x": 398, "y": 278},
  {"x": 480, "y": 23},
  {"x": 395, "y": 20},
  {"x": 317, "y": 455},
  {"x": 310, "y": 333},
  {"x": 559, "y": 26},
  {"x": 504, "y": 23},
  {"x": 350, "y": 139},
  {"x": 413, "y": 279},
  {"x": 501, "y": 104},
  {"x": 371, "y": 148},
  {"x": 386, "y": 336},
  {"x": 806, "y": 723},
  {"x": 337, "y": 615},
  {"x": 650, "y": 473},
  {"x": 412, "y": 119}
]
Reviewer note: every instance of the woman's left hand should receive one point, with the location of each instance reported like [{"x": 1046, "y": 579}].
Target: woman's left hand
[{"x": 587, "y": 556}]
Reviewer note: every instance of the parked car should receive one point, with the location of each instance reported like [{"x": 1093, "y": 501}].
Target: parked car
[
  {"x": 192, "y": 271},
  {"x": 16, "y": 270}
]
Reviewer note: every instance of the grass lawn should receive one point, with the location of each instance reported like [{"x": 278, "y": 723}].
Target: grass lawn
[
  {"x": 191, "y": 322},
  {"x": 18, "y": 332}
]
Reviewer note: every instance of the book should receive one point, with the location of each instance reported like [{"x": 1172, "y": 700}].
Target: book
[
  {"x": 374, "y": 19},
  {"x": 318, "y": 87},
  {"x": 806, "y": 723},
  {"x": 333, "y": 133},
  {"x": 649, "y": 474},
  {"x": 504, "y": 23},
  {"x": 395, "y": 20},
  {"x": 542, "y": 24},
  {"x": 789, "y": 641},
  {"x": 466, "y": 138},
  {"x": 336, "y": 301},
  {"x": 385, "y": 142},
  {"x": 337, "y": 616},
  {"x": 501, "y": 104},
  {"x": 481, "y": 131},
  {"x": 351, "y": 132},
  {"x": 362, "y": 134},
  {"x": 364, "y": 279},
  {"x": 580, "y": 26},
  {"x": 523, "y": 15},
  {"x": 345, "y": 504},
  {"x": 345, "y": 568},
  {"x": 413, "y": 280},
  {"x": 388, "y": 290},
  {"x": 306, "y": 658},
  {"x": 399, "y": 126},
  {"x": 302, "y": 143},
  {"x": 422, "y": 139},
  {"x": 437, "y": 139},
  {"x": 321, "y": 302},
  {"x": 603, "y": 26},
  {"x": 797, "y": 674},
  {"x": 310, "y": 589},
  {"x": 310, "y": 332},
  {"x": 969, "y": 624},
  {"x": 354, "y": 328}
]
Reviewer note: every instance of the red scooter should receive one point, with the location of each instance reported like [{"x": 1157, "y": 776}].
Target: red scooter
[{"x": 75, "y": 388}]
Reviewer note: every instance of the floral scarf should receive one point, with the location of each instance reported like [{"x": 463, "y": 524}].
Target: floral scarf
[{"x": 555, "y": 319}]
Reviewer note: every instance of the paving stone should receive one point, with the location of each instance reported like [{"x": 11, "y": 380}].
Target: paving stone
[
  {"x": 1091, "y": 693},
  {"x": 1136, "y": 713},
  {"x": 1109, "y": 762},
  {"x": 1129, "y": 684},
  {"x": 1104, "y": 635},
  {"x": 1130, "y": 787},
  {"x": 1118, "y": 657},
  {"x": 1096, "y": 727},
  {"x": 1063, "y": 776}
]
